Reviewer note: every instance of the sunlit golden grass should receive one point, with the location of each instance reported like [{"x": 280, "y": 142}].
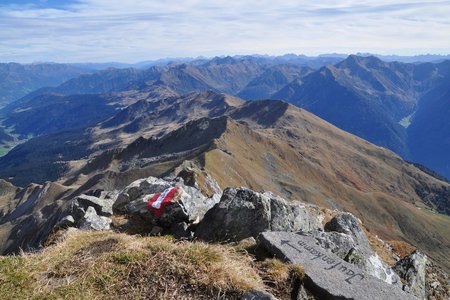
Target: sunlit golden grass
[{"x": 107, "y": 265}]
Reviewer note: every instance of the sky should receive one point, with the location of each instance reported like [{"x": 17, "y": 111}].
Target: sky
[{"x": 138, "y": 30}]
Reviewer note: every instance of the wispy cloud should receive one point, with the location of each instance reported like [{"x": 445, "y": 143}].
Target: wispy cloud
[{"x": 133, "y": 30}]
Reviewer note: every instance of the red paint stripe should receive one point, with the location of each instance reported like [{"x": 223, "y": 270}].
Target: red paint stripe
[{"x": 165, "y": 201}]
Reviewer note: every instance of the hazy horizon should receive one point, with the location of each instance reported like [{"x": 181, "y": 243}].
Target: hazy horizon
[
  {"x": 188, "y": 58},
  {"x": 133, "y": 31}
]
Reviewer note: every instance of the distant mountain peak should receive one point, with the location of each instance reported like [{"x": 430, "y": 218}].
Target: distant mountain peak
[
  {"x": 353, "y": 61},
  {"x": 222, "y": 60}
]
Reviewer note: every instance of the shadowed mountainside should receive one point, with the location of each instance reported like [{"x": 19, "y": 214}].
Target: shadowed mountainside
[
  {"x": 368, "y": 97},
  {"x": 272, "y": 80},
  {"x": 429, "y": 133}
]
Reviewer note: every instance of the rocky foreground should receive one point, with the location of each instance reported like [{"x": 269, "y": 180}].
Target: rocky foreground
[{"x": 221, "y": 246}]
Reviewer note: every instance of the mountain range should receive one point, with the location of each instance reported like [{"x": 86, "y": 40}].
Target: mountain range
[
  {"x": 18, "y": 80},
  {"x": 387, "y": 103},
  {"x": 336, "y": 135}
]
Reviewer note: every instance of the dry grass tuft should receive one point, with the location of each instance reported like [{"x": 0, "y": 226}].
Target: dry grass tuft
[
  {"x": 281, "y": 277},
  {"x": 328, "y": 214},
  {"x": 402, "y": 248},
  {"x": 276, "y": 269},
  {"x": 378, "y": 246},
  {"x": 298, "y": 271},
  {"x": 107, "y": 265}
]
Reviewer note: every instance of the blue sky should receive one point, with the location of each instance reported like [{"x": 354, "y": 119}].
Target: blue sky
[{"x": 137, "y": 30}]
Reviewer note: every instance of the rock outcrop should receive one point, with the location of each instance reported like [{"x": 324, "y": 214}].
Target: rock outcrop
[
  {"x": 92, "y": 221},
  {"x": 242, "y": 213},
  {"x": 327, "y": 275},
  {"x": 90, "y": 212},
  {"x": 190, "y": 206},
  {"x": 102, "y": 205},
  {"x": 345, "y": 237},
  {"x": 412, "y": 270}
]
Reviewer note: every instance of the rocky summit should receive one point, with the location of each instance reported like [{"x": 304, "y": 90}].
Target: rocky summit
[{"x": 327, "y": 254}]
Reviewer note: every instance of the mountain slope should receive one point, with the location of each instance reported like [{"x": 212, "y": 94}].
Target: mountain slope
[
  {"x": 271, "y": 81},
  {"x": 61, "y": 113},
  {"x": 49, "y": 156},
  {"x": 429, "y": 132},
  {"x": 364, "y": 96},
  {"x": 105, "y": 81},
  {"x": 18, "y": 80}
]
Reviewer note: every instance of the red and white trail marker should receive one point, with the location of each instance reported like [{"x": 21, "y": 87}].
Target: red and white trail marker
[{"x": 160, "y": 200}]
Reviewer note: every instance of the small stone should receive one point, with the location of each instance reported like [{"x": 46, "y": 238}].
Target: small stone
[
  {"x": 435, "y": 284},
  {"x": 67, "y": 221},
  {"x": 156, "y": 230},
  {"x": 92, "y": 221},
  {"x": 181, "y": 231},
  {"x": 103, "y": 207},
  {"x": 258, "y": 295}
]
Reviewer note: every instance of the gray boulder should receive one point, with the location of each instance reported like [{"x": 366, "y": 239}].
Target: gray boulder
[
  {"x": 258, "y": 295},
  {"x": 67, "y": 221},
  {"x": 340, "y": 244},
  {"x": 242, "y": 213},
  {"x": 412, "y": 270},
  {"x": 92, "y": 221},
  {"x": 348, "y": 224},
  {"x": 345, "y": 238},
  {"x": 326, "y": 275},
  {"x": 103, "y": 206},
  {"x": 137, "y": 189},
  {"x": 189, "y": 207}
]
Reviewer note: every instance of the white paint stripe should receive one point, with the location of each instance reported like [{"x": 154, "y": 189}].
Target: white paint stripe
[{"x": 157, "y": 203}]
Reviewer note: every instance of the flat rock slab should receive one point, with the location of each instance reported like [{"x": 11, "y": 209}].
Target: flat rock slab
[{"x": 327, "y": 274}]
